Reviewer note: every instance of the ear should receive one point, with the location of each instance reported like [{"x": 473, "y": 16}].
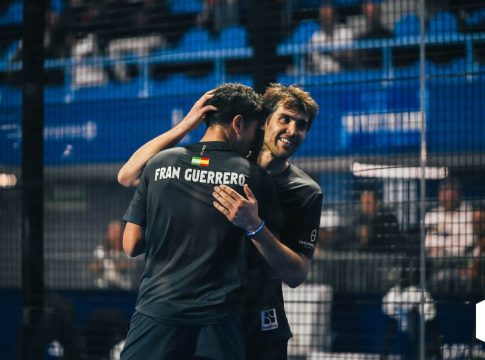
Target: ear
[
  {"x": 238, "y": 123},
  {"x": 263, "y": 125}
]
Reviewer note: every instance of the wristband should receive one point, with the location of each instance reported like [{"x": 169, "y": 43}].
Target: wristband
[{"x": 257, "y": 231}]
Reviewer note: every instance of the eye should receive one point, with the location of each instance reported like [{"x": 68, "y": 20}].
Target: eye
[
  {"x": 302, "y": 125},
  {"x": 284, "y": 119}
]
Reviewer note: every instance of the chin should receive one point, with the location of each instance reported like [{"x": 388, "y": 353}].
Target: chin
[
  {"x": 287, "y": 153},
  {"x": 283, "y": 155}
]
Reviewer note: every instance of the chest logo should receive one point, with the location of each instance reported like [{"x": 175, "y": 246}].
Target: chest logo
[{"x": 269, "y": 320}]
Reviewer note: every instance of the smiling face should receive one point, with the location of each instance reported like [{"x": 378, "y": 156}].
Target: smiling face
[{"x": 284, "y": 132}]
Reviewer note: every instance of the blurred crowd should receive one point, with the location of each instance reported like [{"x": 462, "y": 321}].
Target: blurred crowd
[
  {"x": 120, "y": 28},
  {"x": 117, "y": 28},
  {"x": 454, "y": 240}
]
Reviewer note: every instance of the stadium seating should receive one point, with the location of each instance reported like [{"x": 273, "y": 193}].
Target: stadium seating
[
  {"x": 10, "y": 96},
  {"x": 476, "y": 19},
  {"x": 232, "y": 37},
  {"x": 302, "y": 33},
  {"x": 13, "y": 15},
  {"x": 195, "y": 39},
  {"x": 10, "y": 52},
  {"x": 443, "y": 22},
  {"x": 331, "y": 78},
  {"x": 407, "y": 26},
  {"x": 198, "y": 45},
  {"x": 186, "y": 6}
]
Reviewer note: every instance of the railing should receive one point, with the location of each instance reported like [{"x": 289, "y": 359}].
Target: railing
[
  {"x": 219, "y": 57},
  {"x": 298, "y": 51},
  {"x": 372, "y": 272}
]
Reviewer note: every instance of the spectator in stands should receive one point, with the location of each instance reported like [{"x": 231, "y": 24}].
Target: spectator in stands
[
  {"x": 145, "y": 25},
  {"x": 330, "y": 33},
  {"x": 53, "y": 38},
  {"x": 374, "y": 228},
  {"x": 62, "y": 30},
  {"x": 403, "y": 307},
  {"x": 111, "y": 267},
  {"x": 374, "y": 29},
  {"x": 218, "y": 14},
  {"x": 84, "y": 74},
  {"x": 472, "y": 18},
  {"x": 115, "y": 19},
  {"x": 475, "y": 271},
  {"x": 78, "y": 26},
  {"x": 450, "y": 225},
  {"x": 330, "y": 231}
]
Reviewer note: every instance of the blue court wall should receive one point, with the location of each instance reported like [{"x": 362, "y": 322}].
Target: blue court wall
[{"x": 380, "y": 118}]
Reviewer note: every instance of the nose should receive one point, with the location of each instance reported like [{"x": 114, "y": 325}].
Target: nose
[{"x": 291, "y": 128}]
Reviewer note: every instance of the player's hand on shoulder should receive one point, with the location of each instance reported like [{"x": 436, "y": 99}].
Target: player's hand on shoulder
[{"x": 239, "y": 210}]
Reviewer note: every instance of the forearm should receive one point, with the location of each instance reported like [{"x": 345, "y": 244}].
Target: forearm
[
  {"x": 288, "y": 265},
  {"x": 130, "y": 173}
]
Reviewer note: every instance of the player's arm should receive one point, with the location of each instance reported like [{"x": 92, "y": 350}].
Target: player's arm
[
  {"x": 130, "y": 172},
  {"x": 290, "y": 266},
  {"x": 136, "y": 219},
  {"x": 133, "y": 239}
]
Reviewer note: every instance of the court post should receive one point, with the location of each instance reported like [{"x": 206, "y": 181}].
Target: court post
[{"x": 32, "y": 257}]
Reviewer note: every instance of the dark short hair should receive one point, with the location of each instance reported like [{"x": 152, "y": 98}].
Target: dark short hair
[
  {"x": 291, "y": 97},
  {"x": 451, "y": 183},
  {"x": 233, "y": 99}
]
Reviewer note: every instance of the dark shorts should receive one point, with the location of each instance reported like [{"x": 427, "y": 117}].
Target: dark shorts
[
  {"x": 149, "y": 339},
  {"x": 269, "y": 350}
]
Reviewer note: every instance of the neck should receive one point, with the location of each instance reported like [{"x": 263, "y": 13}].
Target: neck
[
  {"x": 216, "y": 133},
  {"x": 271, "y": 164}
]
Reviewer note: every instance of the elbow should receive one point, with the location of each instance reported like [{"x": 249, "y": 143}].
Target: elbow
[
  {"x": 293, "y": 283},
  {"x": 133, "y": 241},
  {"x": 129, "y": 249},
  {"x": 297, "y": 279},
  {"x": 123, "y": 180},
  {"x": 299, "y": 274},
  {"x": 134, "y": 249}
]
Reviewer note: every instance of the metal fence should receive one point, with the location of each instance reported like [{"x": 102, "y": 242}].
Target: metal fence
[{"x": 398, "y": 149}]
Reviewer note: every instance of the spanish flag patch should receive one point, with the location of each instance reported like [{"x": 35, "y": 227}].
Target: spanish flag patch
[{"x": 200, "y": 161}]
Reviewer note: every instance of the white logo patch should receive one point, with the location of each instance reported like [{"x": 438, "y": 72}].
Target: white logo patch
[
  {"x": 313, "y": 236},
  {"x": 269, "y": 320}
]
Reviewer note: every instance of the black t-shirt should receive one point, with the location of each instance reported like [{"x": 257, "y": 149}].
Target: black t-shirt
[
  {"x": 194, "y": 257},
  {"x": 300, "y": 199}
]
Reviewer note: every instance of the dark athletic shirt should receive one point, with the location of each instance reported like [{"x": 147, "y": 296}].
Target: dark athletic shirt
[
  {"x": 194, "y": 257},
  {"x": 300, "y": 199}
]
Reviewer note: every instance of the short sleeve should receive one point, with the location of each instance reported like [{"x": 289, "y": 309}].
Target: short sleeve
[
  {"x": 137, "y": 210},
  {"x": 307, "y": 234}
]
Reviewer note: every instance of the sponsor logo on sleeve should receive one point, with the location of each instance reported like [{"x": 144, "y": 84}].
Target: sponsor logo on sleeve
[{"x": 312, "y": 242}]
